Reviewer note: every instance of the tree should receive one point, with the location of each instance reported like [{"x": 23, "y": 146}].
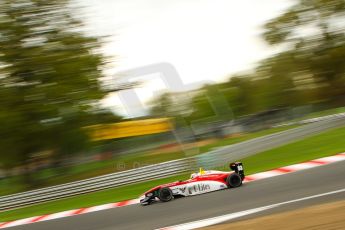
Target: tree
[
  {"x": 162, "y": 106},
  {"x": 49, "y": 80},
  {"x": 313, "y": 32}
]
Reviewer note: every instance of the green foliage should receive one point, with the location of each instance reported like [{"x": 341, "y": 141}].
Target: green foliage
[
  {"x": 310, "y": 13},
  {"x": 320, "y": 54},
  {"x": 49, "y": 81},
  {"x": 209, "y": 104}
]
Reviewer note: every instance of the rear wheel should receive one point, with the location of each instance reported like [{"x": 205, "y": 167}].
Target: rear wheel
[
  {"x": 234, "y": 180},
  {"x": 165, "y": 194}
]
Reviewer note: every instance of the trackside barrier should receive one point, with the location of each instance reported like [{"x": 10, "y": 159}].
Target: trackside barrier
[{"x": 97, "y": 183}]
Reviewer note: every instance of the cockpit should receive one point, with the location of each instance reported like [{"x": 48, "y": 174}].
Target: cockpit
[{"x": 201, "y": 172}]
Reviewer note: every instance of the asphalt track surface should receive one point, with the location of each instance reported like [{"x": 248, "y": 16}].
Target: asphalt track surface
[{"x": 251, "y": 195}]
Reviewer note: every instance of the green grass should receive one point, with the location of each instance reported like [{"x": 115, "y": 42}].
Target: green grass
[
  {"x": 92, "y": 169},
  {"x": 321, "y": 145},
  {"x": 325, "y": 144}
]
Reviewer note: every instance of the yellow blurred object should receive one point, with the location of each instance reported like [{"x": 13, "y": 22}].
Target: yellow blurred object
[
  {"x": 129, "y": 128},
  {"x": 201, "y": 171}
]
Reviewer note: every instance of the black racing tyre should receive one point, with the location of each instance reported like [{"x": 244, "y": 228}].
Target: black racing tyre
[
  {"x": 165, "y": 194},
  {"x": 234, "y": 180}
]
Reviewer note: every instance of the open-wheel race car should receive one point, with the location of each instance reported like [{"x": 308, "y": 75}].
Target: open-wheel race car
[{"x": 201, "y": 182}]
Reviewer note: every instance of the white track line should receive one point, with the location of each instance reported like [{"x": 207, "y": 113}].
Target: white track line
[{"x": 231, "y": 216}]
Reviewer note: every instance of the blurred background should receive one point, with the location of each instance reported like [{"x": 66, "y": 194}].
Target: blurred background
[{"x": 269, "y": 65}]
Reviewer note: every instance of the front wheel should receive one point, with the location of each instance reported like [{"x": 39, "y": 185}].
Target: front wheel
[
  {"x": 234, "y": 180},
  {"x": 165, "y": 194}
]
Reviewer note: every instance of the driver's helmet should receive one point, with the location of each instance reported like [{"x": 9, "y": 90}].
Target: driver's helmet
[{"x": 201, "y": 172}]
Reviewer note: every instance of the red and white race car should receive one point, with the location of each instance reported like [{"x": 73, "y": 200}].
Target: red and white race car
[{"x": 201, "y": 182}]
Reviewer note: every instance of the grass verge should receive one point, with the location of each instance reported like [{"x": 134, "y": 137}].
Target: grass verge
[{"x": 325, "y": 144}]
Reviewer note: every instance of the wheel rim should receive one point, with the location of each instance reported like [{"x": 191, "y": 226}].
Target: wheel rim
[
  {"x": 235, "y": 181},
  {"x": 166, "y": 193}
]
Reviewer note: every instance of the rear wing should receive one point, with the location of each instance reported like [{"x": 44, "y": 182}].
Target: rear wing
[{"x": 238, "y": 168}]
